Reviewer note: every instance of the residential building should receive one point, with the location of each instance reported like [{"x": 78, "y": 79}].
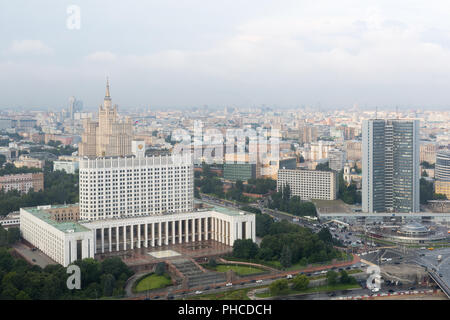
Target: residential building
[{"x": 22, "y": 182}]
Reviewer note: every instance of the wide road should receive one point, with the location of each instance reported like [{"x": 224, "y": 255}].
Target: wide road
[{"x": 439, "y": 269}]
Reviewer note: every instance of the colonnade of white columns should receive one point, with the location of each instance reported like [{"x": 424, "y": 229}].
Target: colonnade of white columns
[{"x": 124, "y": 237}]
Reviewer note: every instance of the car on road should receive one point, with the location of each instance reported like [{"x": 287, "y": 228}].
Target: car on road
[
  {"x": 198, "y": 292},
  {"x": 332, "y": 294},
  {"x": 34, "y": 260},
  {"x": 229, "y": 284},
  {"x": 170, "y": 297},
  {"x": 391, "y": 291},
  {"x": 259, "y": 281},
  {"x": 156, "y": 297},
  {"x": 207, "y": 288},
  {"x": 289, "y": 276}
]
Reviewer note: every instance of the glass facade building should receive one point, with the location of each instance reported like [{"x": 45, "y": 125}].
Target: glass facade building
[{"x": 391, "y": 166}]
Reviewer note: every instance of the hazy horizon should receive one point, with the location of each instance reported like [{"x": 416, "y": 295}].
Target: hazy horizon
[{"x": 174, "y": 54}]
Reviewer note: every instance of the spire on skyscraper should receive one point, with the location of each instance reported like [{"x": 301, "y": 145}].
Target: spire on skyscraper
[{"x": 107, "y": 96}]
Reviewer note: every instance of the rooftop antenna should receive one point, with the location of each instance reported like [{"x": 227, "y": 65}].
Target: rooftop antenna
[
  {"x": 396, "y": 111},
  {"x": 376, "y": 113}
]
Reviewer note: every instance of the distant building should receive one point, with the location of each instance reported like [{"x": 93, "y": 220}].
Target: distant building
[
  {"x": 442, "y": 173},
  {"x": 428, "y": 152},
  {"x": 67, "y": 166},
  {"x": 309, "y": 184},
  {"x": 308, "y": 134},
  {"x": 25, "y": 161},
  {"x": 6, "y": 124},
  {"x": 319, "y": 150},
  {"x": 270, "y": 170},
  {"x": 11, "y": 220},
  {"x": 336, "y": 159},
  {"x": 353, "y": 150},
  {"x": 240, "y": 171},
  {"x": 22, "y": 182},
  {"x": 64, "y": 139}
]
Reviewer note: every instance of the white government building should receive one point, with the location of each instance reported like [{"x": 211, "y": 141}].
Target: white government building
[{"x": 128, "y": 203}]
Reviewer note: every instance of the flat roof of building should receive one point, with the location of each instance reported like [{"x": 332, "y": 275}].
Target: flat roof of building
[
  {"x": 67, "y": 227},
  {"x": 224, "y": 210}
]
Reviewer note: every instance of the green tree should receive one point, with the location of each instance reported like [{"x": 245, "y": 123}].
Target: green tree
[
  {"x": 245, "y": 249},
  {"x": 108, "y": 282},
  {"x": 286, "y": 257},
  {"x": 426, "y": 191},
  {"x": 332, "y": 277},
  {"x": 325, "y": 235},
  {"x": 116, "y": 267},
  {"x": 13, "y": 235},
  {"x": 323, "y": 167},
  {"x": 300, "y": 282},
  {"x": 279, "y": 287},
  {"x": 262, "y": 224}
]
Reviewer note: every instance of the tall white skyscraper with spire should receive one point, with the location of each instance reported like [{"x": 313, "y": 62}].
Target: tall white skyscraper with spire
[{"x": 107, "y": 137}]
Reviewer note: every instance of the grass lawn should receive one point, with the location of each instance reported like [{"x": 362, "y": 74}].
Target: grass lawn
[
  {"x": 324, "y": 288},
  {"x": 153, "y": 281},
  {"x": 238, "y": 269}
]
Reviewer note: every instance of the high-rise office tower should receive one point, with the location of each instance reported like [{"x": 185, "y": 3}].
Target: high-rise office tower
[
  {"x": 390, "y": 151},
  {"x": 108, "y": 136},
  {"x": 442, "y": 173}
]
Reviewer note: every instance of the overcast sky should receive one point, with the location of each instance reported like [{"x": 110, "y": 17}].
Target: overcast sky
[{"x": 176, "y": 53}]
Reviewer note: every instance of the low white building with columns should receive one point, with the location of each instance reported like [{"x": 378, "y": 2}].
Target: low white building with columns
[
  {"x": 67, "y": 241},
  {"x": 224, "y": 226}
]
